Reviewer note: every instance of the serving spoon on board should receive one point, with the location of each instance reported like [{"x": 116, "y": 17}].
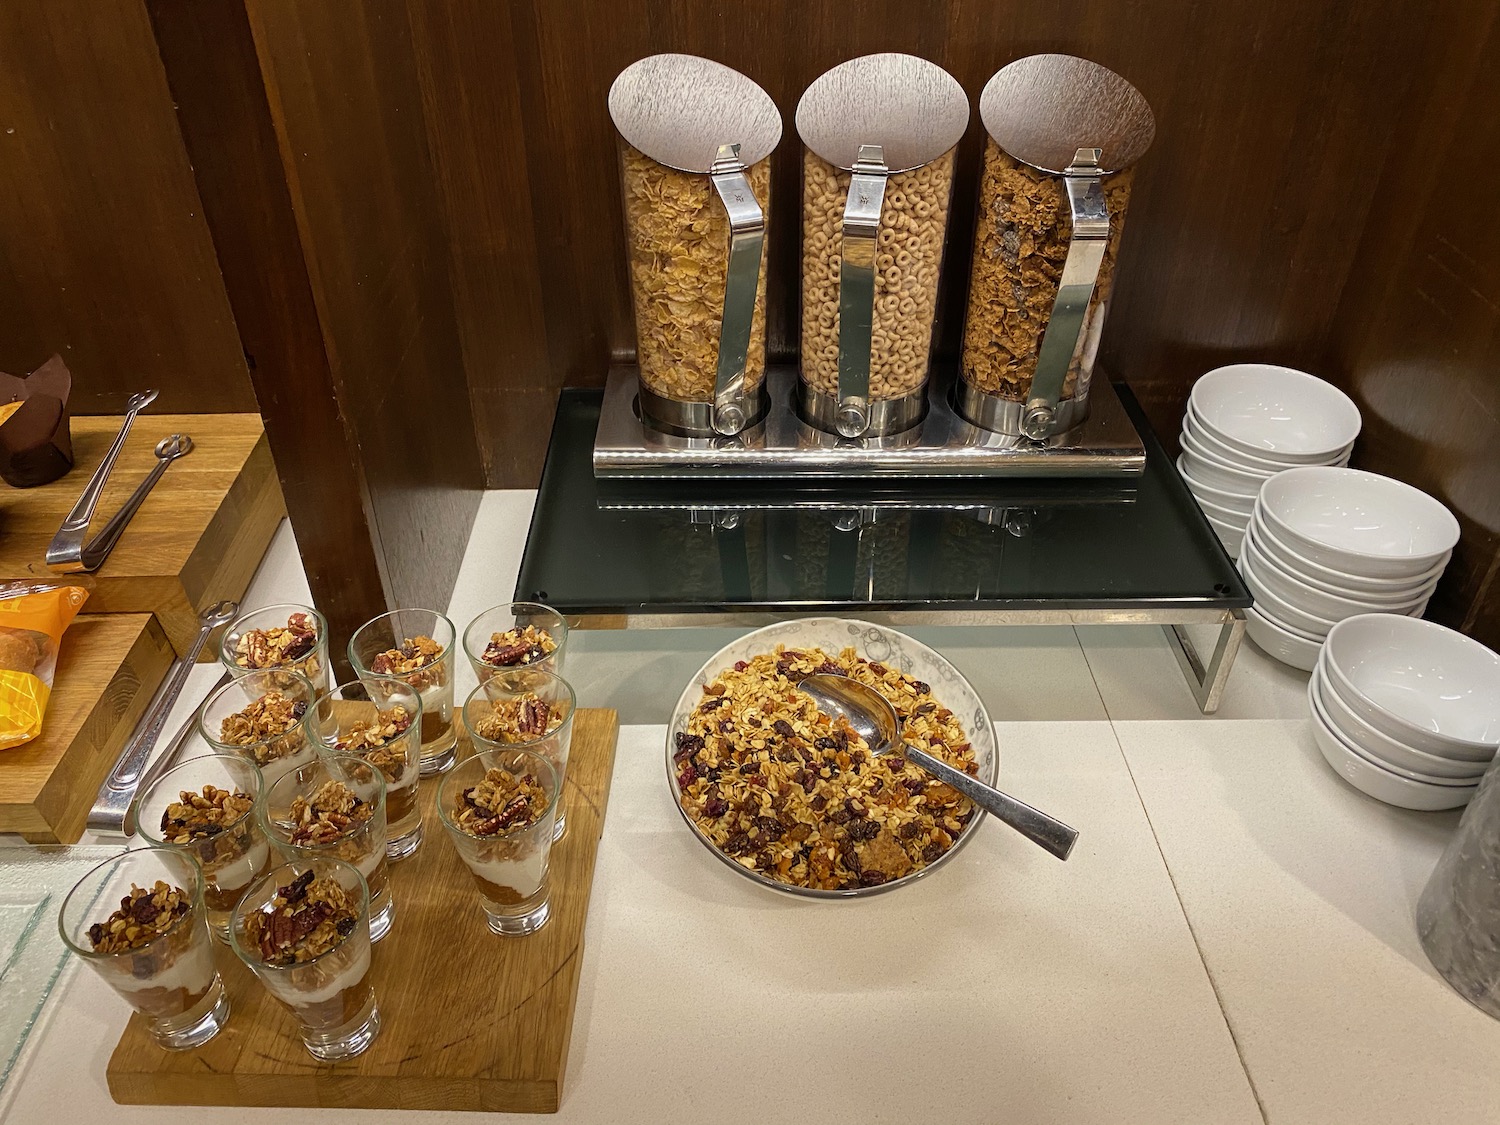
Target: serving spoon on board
[{"x": 874, "y": 719}]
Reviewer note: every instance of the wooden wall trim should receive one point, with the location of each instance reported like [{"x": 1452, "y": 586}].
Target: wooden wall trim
[{"x": 212, "y": 68}]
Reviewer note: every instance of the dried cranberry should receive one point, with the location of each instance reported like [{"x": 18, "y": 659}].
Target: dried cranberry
[
  {"x": 740, "y": 665},
  {"x": 687, "y": 777},
  {"x": 914, "y": 785},
  {"x": 716, "y": 808}
]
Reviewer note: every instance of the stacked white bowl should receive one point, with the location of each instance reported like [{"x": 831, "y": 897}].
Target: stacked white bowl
[
  {"x": 1249, "y": 421},
  {"x": 1327, "y": 543},
  {"x": 1406, "y": 710}
]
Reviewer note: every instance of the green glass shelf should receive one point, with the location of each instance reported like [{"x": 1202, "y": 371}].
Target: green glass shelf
[{"x": 657, "y": 551}]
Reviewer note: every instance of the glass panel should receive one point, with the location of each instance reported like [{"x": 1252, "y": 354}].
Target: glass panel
[
  {"x": 1044, "y": 544},
  {"x": 33, "y": 884}
]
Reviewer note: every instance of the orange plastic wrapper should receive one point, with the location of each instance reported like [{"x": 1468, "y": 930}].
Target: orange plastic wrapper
[{"x": 33, "y": 618}]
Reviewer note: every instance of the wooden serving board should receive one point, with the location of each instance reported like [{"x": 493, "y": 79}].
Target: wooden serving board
[
  {"x": 108, "y": 669},
  {"x": 469, "y": 1020},
  {"x": 198, "y": 537}
]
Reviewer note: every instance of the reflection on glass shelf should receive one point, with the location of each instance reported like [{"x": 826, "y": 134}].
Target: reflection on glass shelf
[{"x": 684, "y": 547}]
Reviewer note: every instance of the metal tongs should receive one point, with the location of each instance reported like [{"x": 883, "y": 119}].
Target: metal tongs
[{"x": 67, "y": 553}]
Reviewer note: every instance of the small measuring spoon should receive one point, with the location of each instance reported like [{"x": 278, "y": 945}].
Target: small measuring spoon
[{"x": 874, "y": 719}]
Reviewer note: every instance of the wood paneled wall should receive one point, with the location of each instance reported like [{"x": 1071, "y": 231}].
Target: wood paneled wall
[
  {"x": 1417, "y": 336},
  {"x": 105, "y": 257}
]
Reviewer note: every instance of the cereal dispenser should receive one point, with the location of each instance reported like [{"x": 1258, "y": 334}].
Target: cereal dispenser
[
  {"x": 879, "y": 132},
  {"x": 696, "y": 138},
  {"x": 1063, "y": 133}
]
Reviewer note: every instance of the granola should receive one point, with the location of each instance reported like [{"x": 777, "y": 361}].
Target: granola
[
  {"x": 143, "y": 916},
  {"x": 306, "y": 919},
  {"x": 788, "y": 792},
  {"x": 413, "y": 662},
  {"x": 379, "y": 741},
  {"x": 335, "y": 810},
  {"x": 515, "y": 647},
  {"x": 259, "y": 725},
  {"x": 523, "y": 719},
  {"x": 502, "y": 802},
  {"x": 201, "y": 816},
  {"x": 272, "y": 648}
]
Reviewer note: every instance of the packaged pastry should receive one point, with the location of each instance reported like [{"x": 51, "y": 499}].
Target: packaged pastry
[{"x": 33, "y": 618}]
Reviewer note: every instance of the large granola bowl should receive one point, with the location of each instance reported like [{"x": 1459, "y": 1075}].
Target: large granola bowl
[{"x": 889, "y": 648}]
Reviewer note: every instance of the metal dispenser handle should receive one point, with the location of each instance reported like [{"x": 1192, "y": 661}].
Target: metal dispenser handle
[
  {"x": 747, "y": 234},
  {"x": 1090, "y": 238},
  {"x": 857, "y": 289}
]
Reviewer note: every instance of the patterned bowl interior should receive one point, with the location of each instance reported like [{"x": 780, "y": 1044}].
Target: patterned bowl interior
[{"x": 873, "y": 642}]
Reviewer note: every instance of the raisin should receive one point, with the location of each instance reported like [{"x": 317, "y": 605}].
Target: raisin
[
  {"x": 692, "y": 743},
  {"x": 863, "y": 830},
  {"x": 96, "y": 933},
  {"x": 871, "y": 878},
  {"x": 825, "y": 744},
  {"x": 345, "y": 926},
  {"x": 829, "y": 668},
  {"x": 727, "y": 726},
  {"x": 922, "y": 689},
  {"x": 738, "y": 844},
  {"x": 854, "y": 807},
  {"x": 769, "y": 827},
  {"x": 914, "y": 785},
  {"x": 752, "y": 766},
  {"x": 878, "y": 669},
  {"x": 842, "y": 816},
  {"x": 299, "y": 708},
  {"x": 783, "y": 728},
  {"x": 296, "y": 890},
  {"x": 932, "y": 851},
  {"x": 818, "y": 803}
]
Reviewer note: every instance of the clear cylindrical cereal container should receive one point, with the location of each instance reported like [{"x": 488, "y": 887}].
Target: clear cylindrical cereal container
[
  {"x": 1062, "y": 135},
  {"x": 877, "y": 181},
  {"x": 695, "y": 142}
]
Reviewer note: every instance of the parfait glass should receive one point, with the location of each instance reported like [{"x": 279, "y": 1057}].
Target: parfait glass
[
  {"x": 206, "y": 807},
  {"x": 491, "y": 716},
  {"x": 509, "y": 866},
  {"x": 265, "y": 717},
  {"x": 379, "y": 719},
  {"x": 516, "y": 634},
  {"x": 276, "y": 637},
  {"x": 416, "y": 647},
  {"x": 138, "y": 920},
  {"x": 291, "y": 816},
  {"x": 328, "y": 991}
]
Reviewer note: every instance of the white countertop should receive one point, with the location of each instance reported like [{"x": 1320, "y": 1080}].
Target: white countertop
[{"x": 1232, "y": 940}]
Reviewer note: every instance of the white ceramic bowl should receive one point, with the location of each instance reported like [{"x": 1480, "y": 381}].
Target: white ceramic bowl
[
  {"x": 1268, "y": 410},
  {"x": 1205, "y": 437},
  {"x": 1277, "y": 642},
  {"x": 1357, "y": 522},
  {"x": 1376, "y": 781},
  {"x": 1336, "y": 581},
  {"x": 1242, "y": 502},
  {"x": 1286, "y": 583},
  {"x": 1395, "y": 755},
  {"x": 1224, "y": 515},
  {"x": 1215, "y": 473},
  {"x": 1232, "y": 538},
  {"x": 1430, "y": 687},
  {"x": 1319, "y": 602},
  {"x": 1279, "y": 610},
  {"x": 874, "y": 642}
]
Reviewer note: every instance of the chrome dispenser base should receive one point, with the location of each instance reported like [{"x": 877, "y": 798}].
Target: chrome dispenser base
[
  {"x": 1004, "y": 415},
  {"x": 888, "y": 417},
  {"x": 782, "y": 446},
  {"x": 695, "y": 419}
]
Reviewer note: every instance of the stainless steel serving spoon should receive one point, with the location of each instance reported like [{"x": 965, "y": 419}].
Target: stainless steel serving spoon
[{"x": 874, "y": 719}]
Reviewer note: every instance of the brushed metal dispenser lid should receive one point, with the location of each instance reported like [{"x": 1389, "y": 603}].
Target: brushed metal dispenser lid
[
  {"x": 678, "y": 110},
  {"x": 1042, "y": 109},
  {"x": 913, "y": 109}
]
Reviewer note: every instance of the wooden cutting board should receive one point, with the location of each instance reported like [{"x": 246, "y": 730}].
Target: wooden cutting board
[
  {"x": 198, "y": 537},
  {"x": 469, "y": 1020},
  {"x": 108, "y": 668}
]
